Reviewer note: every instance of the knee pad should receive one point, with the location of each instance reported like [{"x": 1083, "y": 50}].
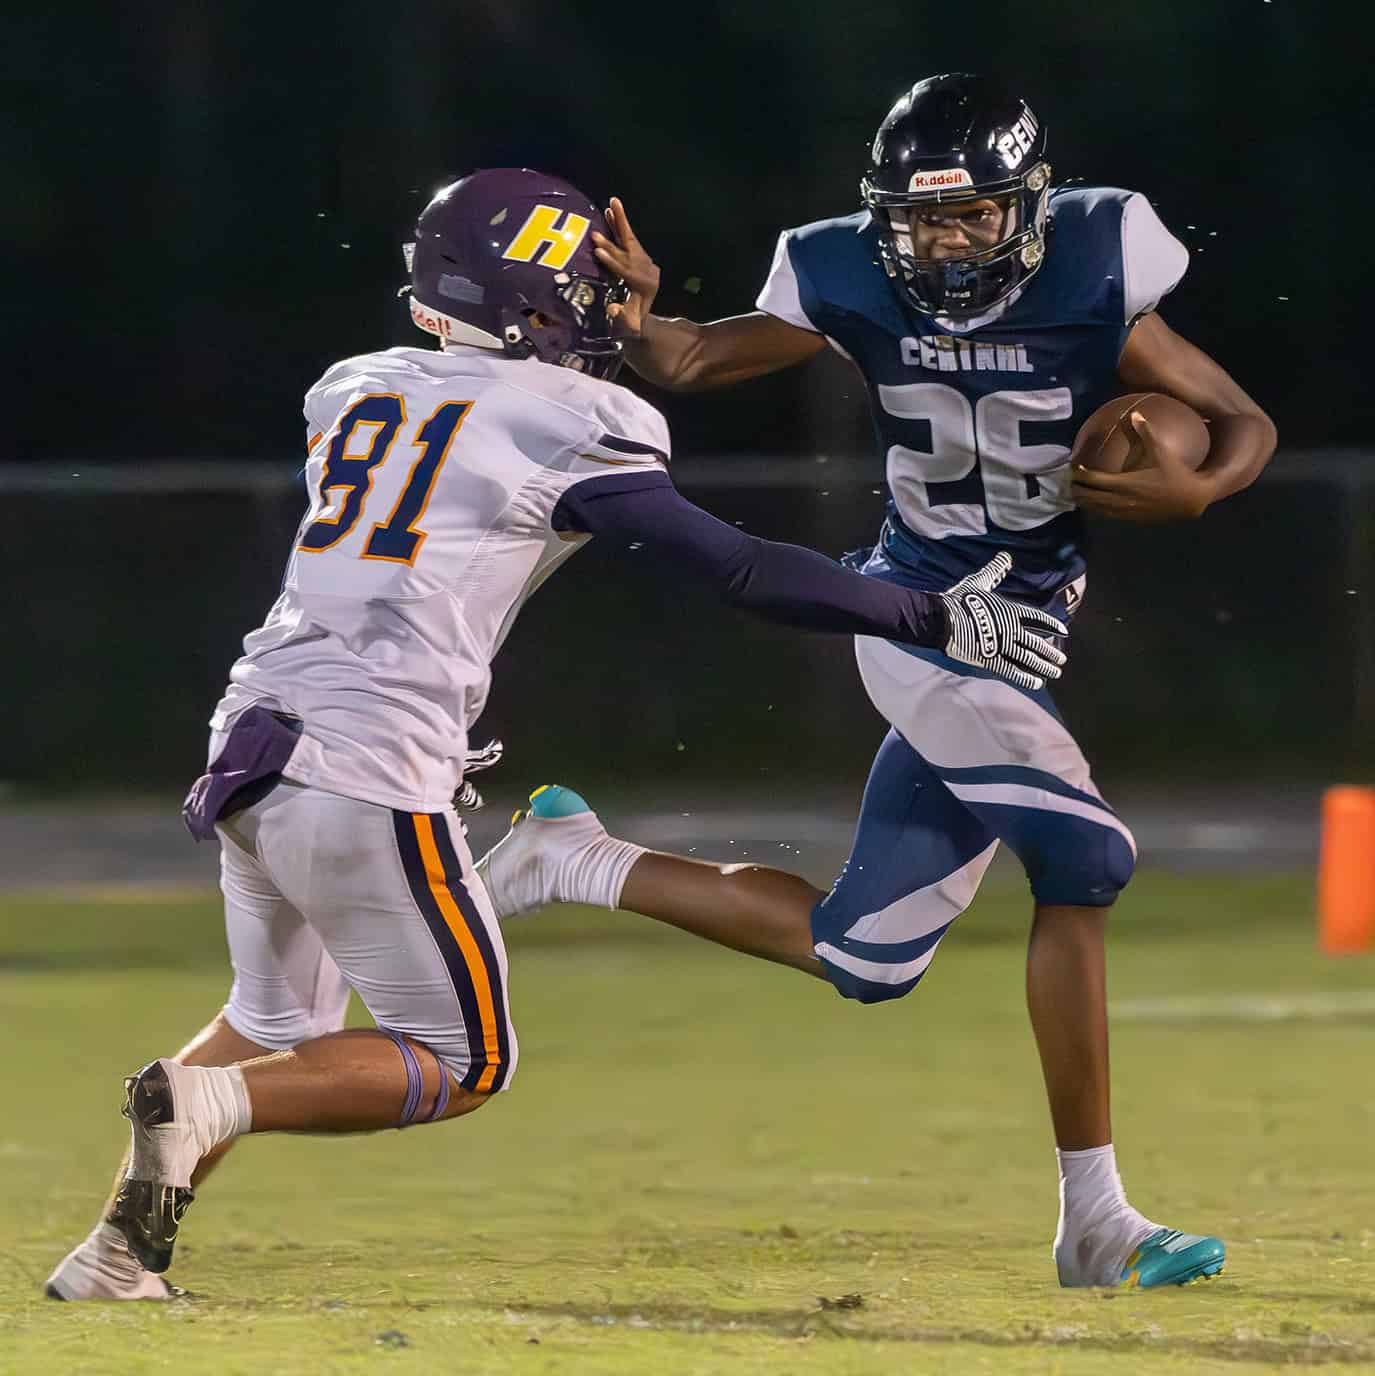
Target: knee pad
[
  {"x": 851, "y": 986},
  {"x": 1074, "y": 862}
]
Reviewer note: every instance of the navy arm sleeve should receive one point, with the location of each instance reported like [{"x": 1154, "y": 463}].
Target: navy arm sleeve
[{"x": 785, "y": 583}]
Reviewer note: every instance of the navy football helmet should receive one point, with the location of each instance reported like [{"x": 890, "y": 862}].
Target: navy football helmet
[
  {"x": 503, "y": 260},
  {"x": 958, "y": 138}
]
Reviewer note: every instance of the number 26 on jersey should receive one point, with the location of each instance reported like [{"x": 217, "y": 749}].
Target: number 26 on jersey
[{"x": 346, "y": 478}]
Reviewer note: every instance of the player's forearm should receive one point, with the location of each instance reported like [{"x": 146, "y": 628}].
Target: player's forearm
[
  {"x": 799, "y": 587},
  {"x": 783, "y": 583},
  {"x": 684, "y": 356},
  {"x": 1241, "y": 447},
  {"x": 668, "y": 352}
]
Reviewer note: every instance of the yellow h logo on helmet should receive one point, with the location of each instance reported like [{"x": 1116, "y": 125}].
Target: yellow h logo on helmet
[{"x": 540, "y": 231}]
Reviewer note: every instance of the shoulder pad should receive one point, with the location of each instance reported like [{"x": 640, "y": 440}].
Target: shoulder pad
[
  {"x": 607, "y": 409},
  {"x": 838, "y": 272}
]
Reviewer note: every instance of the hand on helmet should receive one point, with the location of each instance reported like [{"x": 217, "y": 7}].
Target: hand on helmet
[
  {"x": 995, "y": 633},
  {"x": 626, "y": 258}
]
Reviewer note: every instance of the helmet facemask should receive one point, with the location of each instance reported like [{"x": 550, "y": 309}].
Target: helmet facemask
[
  {"x": 573, "y": 331},
  {"x": 975, "y": 282},
  {"x": 597, "y": 353}
]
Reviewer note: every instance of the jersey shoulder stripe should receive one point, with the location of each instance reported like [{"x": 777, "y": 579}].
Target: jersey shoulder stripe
[{"x": 615, "y": 442}]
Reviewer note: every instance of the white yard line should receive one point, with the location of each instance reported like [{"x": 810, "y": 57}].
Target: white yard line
[{"x": 1248, "y": 1007}]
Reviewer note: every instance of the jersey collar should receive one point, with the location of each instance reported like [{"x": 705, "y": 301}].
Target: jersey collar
[{"x": 978, "y": 321}]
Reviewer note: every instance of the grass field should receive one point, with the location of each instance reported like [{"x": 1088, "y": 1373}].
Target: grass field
[{"x": 713, "y": 1165}]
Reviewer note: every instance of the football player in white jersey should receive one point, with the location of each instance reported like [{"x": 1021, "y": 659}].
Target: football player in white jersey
[{"x": 445, "y": 487}]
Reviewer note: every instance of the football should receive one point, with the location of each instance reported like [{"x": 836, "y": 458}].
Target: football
[{"x": 1107, "y": 443}]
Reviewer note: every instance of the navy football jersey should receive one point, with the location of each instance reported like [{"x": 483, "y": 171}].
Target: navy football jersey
[{"x": 976, "y": 417}]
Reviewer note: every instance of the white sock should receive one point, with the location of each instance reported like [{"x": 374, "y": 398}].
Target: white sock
[
  {"x": 217, "y": 1103},
  {"x": 597, "y": 873},
  {"x": 1098, "y": 1229},
  {"x": 558, "y": 860}
]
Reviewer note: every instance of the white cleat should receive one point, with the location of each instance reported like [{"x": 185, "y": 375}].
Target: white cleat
[
  {"x": 551, "y": 847},
  {"x": 103, "y": 1268}
]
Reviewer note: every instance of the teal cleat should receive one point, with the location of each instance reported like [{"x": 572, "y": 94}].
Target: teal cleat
[
  {"x": 1168, "y": 1257},
  {"x": 554, "y": 800}
]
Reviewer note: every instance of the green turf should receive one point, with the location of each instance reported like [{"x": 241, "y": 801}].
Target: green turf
[{"x": 700, "y": 1149}]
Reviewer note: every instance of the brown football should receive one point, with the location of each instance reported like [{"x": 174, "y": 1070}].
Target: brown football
[{"x": 1106, "y": 441}]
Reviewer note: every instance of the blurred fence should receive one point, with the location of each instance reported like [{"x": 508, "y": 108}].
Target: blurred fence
[{"x": 1233, "y": 650}]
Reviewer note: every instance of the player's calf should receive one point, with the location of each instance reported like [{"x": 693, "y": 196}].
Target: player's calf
[
  {"x": 559, "y": 852},
  {"x": 364, "y": 1081}
]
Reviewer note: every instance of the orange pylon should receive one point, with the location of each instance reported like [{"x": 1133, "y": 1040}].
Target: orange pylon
[{"x": 1346, "y": 871}]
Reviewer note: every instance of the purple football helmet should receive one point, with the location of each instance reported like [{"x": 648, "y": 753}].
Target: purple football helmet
[{"x": 503, "y": 260}]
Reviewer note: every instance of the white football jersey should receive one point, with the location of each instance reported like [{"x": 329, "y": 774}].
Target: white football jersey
[{"x": 433, "y": 478}]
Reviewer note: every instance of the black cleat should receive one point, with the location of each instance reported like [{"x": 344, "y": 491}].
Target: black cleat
[
  {"x": 148, "y": 1097},
  {"x": 149, "y": 1211},
  {"x": 149, "y": 1215}
]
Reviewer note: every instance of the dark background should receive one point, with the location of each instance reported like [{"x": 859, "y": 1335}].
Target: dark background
[
  {"x": 206, "y": 202},
  {"x": 205, "y": 206}
]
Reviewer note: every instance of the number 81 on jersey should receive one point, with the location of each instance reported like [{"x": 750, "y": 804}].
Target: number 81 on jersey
[{"x": 349, "y": 477}]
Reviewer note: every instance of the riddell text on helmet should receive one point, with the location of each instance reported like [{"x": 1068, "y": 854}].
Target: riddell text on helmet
[
  {"x": 933, "y": 181},
  {"x": 430, "y": 320}
]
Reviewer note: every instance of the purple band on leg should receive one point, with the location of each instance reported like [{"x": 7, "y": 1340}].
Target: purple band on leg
[
  {"x": 442, "y": 1101},
  {"x": 415, "y": 1081}
]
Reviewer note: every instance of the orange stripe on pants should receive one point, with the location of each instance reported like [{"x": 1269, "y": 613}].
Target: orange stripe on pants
[{"x": 472, "y": 957}]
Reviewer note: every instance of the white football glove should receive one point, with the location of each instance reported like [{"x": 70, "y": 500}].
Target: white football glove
[{"x": 995, "y": 633}]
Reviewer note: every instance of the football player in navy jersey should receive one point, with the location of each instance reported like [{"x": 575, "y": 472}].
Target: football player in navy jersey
[{"x": 989, "y": 314}]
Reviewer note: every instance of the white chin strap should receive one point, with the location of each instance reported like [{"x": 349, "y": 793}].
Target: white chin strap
[{"x": 451, "y": 331}]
